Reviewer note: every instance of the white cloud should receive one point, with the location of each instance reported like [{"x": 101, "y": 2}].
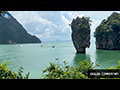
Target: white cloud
[
  {"x": 65, "y": 20},
  {"x": 66, "y": 30},
  {"x": 33, "y": 22},
  {"x": 95, "y": 23},
  {"x": 52, "y": 25},
  {"x": 74, "y": 15}
]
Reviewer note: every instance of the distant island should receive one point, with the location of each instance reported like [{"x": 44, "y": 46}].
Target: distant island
[
  {"x": 12, "y": 32},
  {"x": 107, "y": 34}
]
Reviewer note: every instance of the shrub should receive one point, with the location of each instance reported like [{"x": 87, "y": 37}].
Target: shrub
[
  {"x": 55, "y": 71},
  {"x": 6, "y": 73},
  {"x": 64, "y": 71}
]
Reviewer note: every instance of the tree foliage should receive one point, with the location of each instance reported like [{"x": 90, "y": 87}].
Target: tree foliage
[
  {"x": 83, "y": 26},
  {"x": 88, "y": 19},
  {"x": 109, "y": 27},
  {"x": 65, "y": 71},
  {"x": 55, "y": 71},
  {"x": 6, "y": 73}
]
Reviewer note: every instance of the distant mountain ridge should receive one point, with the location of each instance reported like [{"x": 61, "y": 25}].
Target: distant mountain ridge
[{"x": 11, "y": 32}]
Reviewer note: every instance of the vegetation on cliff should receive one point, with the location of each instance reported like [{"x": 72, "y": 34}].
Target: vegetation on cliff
[
  {"x": 107, "y": 34},
  {"x": 11, "y": 31}
]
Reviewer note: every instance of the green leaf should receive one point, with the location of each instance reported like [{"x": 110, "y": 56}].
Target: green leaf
[
  {"x": 1, "y": 61},
  {"x": 21, "y": 67}
]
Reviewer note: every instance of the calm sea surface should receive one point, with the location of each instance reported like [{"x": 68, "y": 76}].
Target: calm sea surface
[{"x": 36, "y": 57}]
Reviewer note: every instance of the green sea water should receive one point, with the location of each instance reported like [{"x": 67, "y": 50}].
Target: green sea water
[{"x": 36, "y": 57}]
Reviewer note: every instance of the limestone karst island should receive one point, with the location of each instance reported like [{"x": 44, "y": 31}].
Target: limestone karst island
[
  {"x": 81, "y": 33},
  {"x": 72, "y": 45},
  {"x": 107, "y": 34}
]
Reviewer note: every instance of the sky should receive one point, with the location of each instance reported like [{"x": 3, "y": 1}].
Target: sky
[{"x": 54, "y": 25}]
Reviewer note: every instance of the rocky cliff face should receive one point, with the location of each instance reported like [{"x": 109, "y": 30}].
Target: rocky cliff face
[
  {"x": 12, "y": 32},
  {"x": 107, "y": 34},
  {"x": 81, "y": 33}
]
